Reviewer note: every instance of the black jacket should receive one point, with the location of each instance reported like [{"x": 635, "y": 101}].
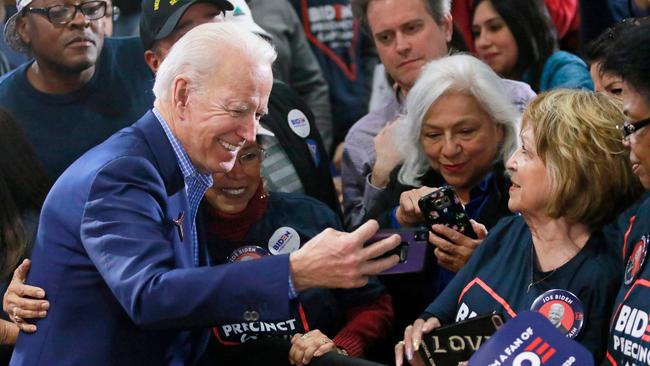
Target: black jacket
[{"x": 316, "y": 179}]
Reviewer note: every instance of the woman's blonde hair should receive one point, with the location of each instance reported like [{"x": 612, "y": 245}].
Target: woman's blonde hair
[{"x": 576, "y": 138}]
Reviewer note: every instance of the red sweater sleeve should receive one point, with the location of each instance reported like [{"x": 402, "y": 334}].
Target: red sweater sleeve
[{"x": 366, "y": 324}]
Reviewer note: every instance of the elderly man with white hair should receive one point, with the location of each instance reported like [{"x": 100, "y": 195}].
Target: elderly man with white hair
[{"x": 116, "y": 250}]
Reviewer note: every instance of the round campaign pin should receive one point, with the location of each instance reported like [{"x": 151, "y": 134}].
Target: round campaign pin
[
  {"x": 284, "y": 240},
  {"x": 247, "y": 253},
  {"x": 298, "y": 123},
  {"x": 563, "y": 309},
  {"x": 637, "y": 258}
]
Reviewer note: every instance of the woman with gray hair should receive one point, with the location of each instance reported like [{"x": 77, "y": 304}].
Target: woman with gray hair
[{"x": 459, "y": 130}]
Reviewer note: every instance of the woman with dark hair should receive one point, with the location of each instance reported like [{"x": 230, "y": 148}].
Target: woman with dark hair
[
  {"x": 23, "y": 186},
  {"x": 515, "y": 38}
]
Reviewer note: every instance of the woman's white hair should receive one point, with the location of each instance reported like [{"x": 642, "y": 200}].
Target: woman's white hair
[
  {"x": 457, "y": 74},
  {"x": 198, "y": 53}
]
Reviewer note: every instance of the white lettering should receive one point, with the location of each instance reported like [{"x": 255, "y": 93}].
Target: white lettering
[
  {"x": 622, "y": 318},
  {"x": 531, "y": 357}
]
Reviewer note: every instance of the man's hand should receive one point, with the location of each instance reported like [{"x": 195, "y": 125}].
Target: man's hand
[
  {"x": 412, "y": 340},
  {"x": 408, "y": 213},
  {"x": 306, "y": 346},
  {"x": 454, "y": 249},
  {"x": 335, "y": 259},
  {"x": 388, "y": 157},
  {"x": 23, "y": 301}
]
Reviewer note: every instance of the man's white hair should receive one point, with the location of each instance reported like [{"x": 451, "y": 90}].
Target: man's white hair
[{"x": 198, "y": 54}]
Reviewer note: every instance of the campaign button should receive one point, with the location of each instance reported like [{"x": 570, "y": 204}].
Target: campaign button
[
  {"x": 247, "y": 253},
  {"x": 636, "y": 261},
  {"x": 255, "y": 316},
  {"x": 284, "y": 240},
  {"x": 563, "y": 309},
  {"x": 298, "y": 123}
]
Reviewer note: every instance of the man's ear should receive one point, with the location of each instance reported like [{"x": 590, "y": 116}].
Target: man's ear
[
  {"x": 180, "y": 95},
  {"x": 152, "y": 60},
  {"x": 22, "y": 29}
]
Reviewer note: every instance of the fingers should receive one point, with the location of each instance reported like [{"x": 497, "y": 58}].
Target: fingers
[
  {"x": 380, "y": 247},
  {"x": 374, "y": 267},
  {"x": 399, "y": 353},
  {"x": 480, "y": 229},
  {"x": 446, "y": 261},
  {"x": 326, "y": 346},
  {"x": 21, "y": 272},
  {"x": 306, "y": 346},
  {"x": 452, "y": 235},
  {"x": 431, "y": 324},
  {"x": 364, "y": 232}
]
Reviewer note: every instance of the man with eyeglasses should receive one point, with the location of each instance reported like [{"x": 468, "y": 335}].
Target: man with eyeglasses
[
  {"x": 80, "y": 87},
  {"x": 628, "y": 340}
]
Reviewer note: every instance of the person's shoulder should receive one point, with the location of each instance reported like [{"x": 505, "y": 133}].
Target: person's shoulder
[
  {"x": 370, "y": 124},
  {"x": 130, "y": 44},
  {"x": 520, "y": 93},
  {"x": 565, "y": 70},
  {"x": 604, "y": 261},
  {"x": 9, "y": 80},
  {"x": 509, "y": 230}
]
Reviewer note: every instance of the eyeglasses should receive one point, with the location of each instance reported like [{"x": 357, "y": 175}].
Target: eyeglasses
[
  {"x": 628, "y": 128},
  {"x": 63, "y": 14},
  {"x": 251, "y": 156}
]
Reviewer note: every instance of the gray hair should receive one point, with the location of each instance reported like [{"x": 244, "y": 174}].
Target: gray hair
[
  {"x": 199, "y": 52},
  {"x": 438, "y": 9},
  {"x": 453, "y": 74}
]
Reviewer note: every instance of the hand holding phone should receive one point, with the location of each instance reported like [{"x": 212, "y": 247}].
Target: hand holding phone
[
  {"x": 411, "y": 251},
  {"x": 442, "y": 206}
]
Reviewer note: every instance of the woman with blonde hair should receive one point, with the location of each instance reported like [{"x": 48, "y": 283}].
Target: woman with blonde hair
[{"x": 569, "y": 176}]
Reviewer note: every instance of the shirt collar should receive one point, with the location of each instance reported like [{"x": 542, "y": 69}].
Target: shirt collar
[{"x": 188, "y": 169}]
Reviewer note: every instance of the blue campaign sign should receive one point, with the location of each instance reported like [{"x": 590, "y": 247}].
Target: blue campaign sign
[{"x": 529, "y": 339}]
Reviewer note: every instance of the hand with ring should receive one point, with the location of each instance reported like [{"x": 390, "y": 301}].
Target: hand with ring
[
  {"x": 306, "y": 346},
  {"x": 408, "y": 348},
  {"x": 22, "y": 301}
]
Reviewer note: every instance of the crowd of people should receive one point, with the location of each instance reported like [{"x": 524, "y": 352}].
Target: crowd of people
[{"x": 200, "y": 182}]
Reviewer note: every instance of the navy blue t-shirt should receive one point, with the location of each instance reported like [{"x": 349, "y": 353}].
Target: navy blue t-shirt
[
  {"x": 629, "y": 338},
  {"x": 61, "y": 127},
  {"x": 497, "y": 277},
  {"x": 291, "y": 220}
]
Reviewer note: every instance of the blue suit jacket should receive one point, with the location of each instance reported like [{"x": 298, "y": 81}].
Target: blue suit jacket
[{"x": 124, "y": 289}]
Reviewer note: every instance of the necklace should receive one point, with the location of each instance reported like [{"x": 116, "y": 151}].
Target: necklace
[{"x": 532, "y": 269}]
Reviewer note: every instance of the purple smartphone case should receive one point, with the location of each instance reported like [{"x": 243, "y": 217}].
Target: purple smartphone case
[{"x": 416, "y": 254}]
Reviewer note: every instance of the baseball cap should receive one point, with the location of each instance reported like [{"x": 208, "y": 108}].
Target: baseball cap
[
  {"x": 11, "y": 36},
  {"x": 160, "y": 17},
  {"x": 242, "y": 17}
]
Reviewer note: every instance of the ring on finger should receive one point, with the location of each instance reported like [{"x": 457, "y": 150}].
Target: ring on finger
[
  {"x": 304, "y": 336},
  {"x": 324, "y": 341}
]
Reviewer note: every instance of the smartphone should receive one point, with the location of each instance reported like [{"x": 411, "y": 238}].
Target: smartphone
[
  {"x": 411, "y": 250},
  {"x": 456, "y": 342},
  {"x": 443, "y": 206}
]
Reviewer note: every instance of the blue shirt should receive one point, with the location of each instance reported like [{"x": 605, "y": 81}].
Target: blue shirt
[{"x": 196, "y": 183}]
